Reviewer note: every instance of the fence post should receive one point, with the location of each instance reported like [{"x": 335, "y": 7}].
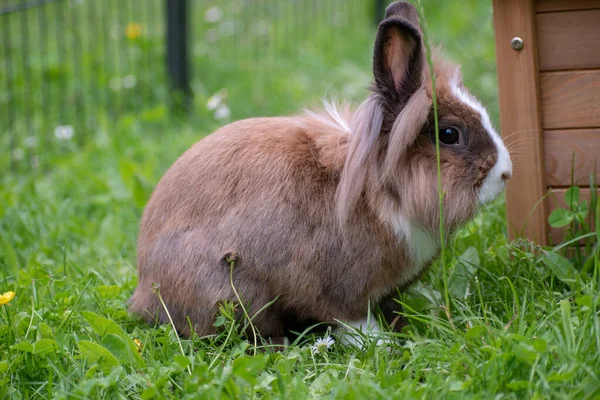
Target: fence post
[
  {"x": 379, "y": 11},
  {"x": 177, "y": 52}
]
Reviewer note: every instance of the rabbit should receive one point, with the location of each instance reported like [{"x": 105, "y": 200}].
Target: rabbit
[{"x": 328, "y": 212}]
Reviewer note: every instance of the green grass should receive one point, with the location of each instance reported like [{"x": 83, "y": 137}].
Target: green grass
[{"x": 524, "y": 320}]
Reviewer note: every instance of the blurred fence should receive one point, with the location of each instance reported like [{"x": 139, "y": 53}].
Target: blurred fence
[{"x": 67, "y": 64}]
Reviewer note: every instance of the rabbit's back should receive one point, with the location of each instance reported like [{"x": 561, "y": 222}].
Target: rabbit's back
[{"x": 256, "y": 161}]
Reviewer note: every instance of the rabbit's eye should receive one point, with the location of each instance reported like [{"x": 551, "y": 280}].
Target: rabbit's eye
[{"x": 449, "y": 135}]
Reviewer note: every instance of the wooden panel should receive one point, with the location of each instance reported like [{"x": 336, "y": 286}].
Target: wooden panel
[
  {"x": 557, "y": 198},
  {"x": 569, "y": 40},
  {"x": 520, "y": 112},
  {"x": 562, "y": 5},
  {"x": 561, "y": 146},
  {"x": 571, "y": 99}
]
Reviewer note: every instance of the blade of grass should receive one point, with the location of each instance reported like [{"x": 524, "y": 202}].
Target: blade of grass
[
  {"x": 156, "y": 290},
  {"x": 64, "y": 321},
  {"x": 441, "y": 193},
  {"x": 231, "y": 260}
]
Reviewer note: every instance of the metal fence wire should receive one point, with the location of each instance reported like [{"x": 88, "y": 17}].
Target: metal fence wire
[{"x": 67, "y": 64}]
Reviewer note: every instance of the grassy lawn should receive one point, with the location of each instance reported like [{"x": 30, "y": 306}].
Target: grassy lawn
[{"x": 522, "y": 321}]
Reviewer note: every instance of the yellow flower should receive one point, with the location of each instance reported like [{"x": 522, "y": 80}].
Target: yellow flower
[
  {"x": 138, "y": 343},
  {"x": 6, "y": 297},
  {"x": 133, "y": 30}
]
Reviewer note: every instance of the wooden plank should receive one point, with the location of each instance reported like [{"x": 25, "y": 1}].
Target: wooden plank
[
  {"x": 565, "y": 5},
  {"x": 569, "y": 40},
  {"x": 555, "y": 199},
  {"x": 577, "y": 150},
  {"x": 571, "y": 99},
  {"x": 520, "y": 116}
]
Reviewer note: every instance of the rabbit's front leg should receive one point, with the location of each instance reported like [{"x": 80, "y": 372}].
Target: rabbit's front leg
[{"x": 390, "y": 311}]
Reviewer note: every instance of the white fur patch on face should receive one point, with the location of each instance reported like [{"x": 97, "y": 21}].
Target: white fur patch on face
[
  {"x": 422, "y": 246},
  {"x": 493, "y": 184}
]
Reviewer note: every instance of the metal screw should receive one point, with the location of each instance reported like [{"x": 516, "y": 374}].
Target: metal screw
[{"x": 516, "y": 43}]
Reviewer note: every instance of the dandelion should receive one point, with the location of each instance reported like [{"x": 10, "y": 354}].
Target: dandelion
[
  {"x": 322, "y": 345},
  {"x": 139, "y": 344},
  {"x": 5, "y": 298},
  {"x": 222, "y": 112},
  {"x": 129, "y": 81},
  {"x": 133, "y": 30},
  {"x": 214, "y": 101},
  {"x": 30, "y": 141},
  {"x": 64, "y": 132},
  {"x": 213, "y": 14}
]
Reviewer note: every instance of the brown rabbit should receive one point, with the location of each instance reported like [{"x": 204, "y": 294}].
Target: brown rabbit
[{"x": 327, "y": 212}]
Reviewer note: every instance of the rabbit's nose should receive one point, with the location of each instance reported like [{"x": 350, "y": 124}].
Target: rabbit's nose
[{"x": 506, "y": 175}]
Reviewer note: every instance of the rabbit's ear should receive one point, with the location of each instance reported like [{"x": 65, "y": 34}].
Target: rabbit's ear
[{"x": 398, "y": 55}]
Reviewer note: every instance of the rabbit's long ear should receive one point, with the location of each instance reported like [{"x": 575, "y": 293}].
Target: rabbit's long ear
[{"x": 398, "y": 56}]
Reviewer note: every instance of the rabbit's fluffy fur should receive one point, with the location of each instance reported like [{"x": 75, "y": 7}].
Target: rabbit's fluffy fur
[{"x": 328, "y": 211}]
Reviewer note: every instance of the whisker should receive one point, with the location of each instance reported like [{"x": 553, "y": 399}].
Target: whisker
[
  {"x": 516, "y": 151},
  {"x": 520, "y": 131},
  {"x": 524, "y": 139},
  {"x": 545, "y": 140},
  {"x": 516, "y": 154}
]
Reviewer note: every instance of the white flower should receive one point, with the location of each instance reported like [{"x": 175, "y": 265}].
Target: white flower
[
  {"x": 129, "y": 81},
  {"x": 63, "y": 132},
  {"x": 409, "y": 344},
  {"x": 322, "y": 345},
  {"x": 222, "y": 112},
  {"x": 213, "y": 14},
  {"x": 30, "y": 141},
  {"x": 214, "y": 101}
]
